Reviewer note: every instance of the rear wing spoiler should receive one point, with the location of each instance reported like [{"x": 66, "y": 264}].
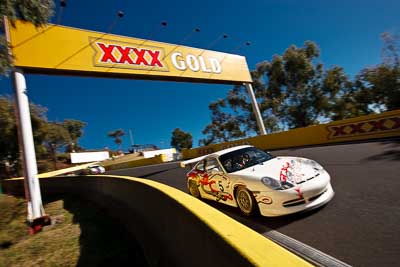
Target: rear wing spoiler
[{"x": 189, "y": 163}]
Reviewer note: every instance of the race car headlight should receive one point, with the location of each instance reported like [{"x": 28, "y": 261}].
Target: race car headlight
[
  {"x": 315, "y": 165},
  {"x": 275, "y": 184},
  {"x": 271, "y": 183}
]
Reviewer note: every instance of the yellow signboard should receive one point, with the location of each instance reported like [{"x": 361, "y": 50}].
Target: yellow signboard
[
  {"x": 64, "y": 50},
  {"x": 384, "y": 125}
]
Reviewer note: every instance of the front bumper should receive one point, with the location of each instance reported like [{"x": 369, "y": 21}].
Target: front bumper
[{"x": 283, "y": 203}]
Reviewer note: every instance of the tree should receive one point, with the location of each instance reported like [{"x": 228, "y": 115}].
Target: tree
[
  {"x": 49, "y": 137},
  {"x": 234, "y": 118},
  {"x": 181, "y": 139},
  {"x": 223, "y": 126},
  {"x": 391, "y": 49},
  {"x": 9, "y": 148},
  {"x": 36, "y": 11},
  {"x": 292, "y": 90},
  {"x": 382, "y": 82},
  {"x": 57, "y": 137},
  {"x": 296, "y": 79},
  {"x": 74, "y": 128},
  {"x": 349, "y": 99},
  {"x": 117, "y": 134},
  {"x": 9, "y": 153}
]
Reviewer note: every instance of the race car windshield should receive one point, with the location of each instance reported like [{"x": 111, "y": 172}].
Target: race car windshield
[{"x": 243, "y": 158}]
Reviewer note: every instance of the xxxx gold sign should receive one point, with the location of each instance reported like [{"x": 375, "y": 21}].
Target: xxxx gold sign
[
  {"x": 369, "y": 127},
  {"x": 115, "y": 54},
  {"x": 59, "y": 49}
]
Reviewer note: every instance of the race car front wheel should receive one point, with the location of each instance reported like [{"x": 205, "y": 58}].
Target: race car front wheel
[
  {"x": 245, "y": 200},
  {"x": 193, "y": 188}
]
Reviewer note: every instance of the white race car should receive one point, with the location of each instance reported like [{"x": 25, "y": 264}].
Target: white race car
[
  {"x": 96, "y": 169},
  {"x": 253, "y": 180}
]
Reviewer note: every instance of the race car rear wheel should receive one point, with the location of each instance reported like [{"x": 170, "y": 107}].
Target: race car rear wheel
[
  {"x": 194, "y": 188},
  {"x": 245, "y": 200}
]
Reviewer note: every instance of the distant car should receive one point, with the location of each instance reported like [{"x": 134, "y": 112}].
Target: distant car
[
  {"x": 254, "y": 180},
  {"x": 96, "y": 169}
]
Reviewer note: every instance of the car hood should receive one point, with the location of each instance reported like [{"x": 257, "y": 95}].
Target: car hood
[{"x": 293, "y": 169}]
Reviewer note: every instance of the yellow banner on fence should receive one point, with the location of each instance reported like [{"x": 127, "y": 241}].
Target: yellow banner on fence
[
  {"x": 64, "y": 50},
  {"x": 374, "y": 126}
]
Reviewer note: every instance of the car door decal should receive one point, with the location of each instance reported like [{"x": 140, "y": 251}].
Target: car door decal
[{"x": 210, "y": 186}]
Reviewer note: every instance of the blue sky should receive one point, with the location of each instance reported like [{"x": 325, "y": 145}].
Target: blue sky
[{"x": 346, "y": 31}]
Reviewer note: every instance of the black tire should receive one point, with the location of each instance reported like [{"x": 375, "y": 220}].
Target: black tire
[
  {"x": 246, "y": 201},
  {"x": 194, "y": 188}
]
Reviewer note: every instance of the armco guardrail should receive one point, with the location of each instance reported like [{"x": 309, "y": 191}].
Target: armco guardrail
[
  {"x": 374, "y": 126},
  {"x": 173, "y": 228}
]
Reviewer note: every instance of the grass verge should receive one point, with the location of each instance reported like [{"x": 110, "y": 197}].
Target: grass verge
[{"x": 82, "y": 236}]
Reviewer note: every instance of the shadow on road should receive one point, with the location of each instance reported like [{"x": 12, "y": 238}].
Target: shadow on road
[
  {"x": 392, "y": 151},
  {"x": 260, "y": 223},
  {"x": 387, "y": 155}
]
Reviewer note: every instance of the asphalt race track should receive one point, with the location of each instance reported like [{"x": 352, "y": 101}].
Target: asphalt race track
[{"x": 360, "y": 226}]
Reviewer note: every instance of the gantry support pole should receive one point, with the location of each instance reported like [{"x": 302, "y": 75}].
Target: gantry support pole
[
  {"x": 32, "y": 187},
  {"x": 36, "y": 215},
  {"x": 256, "y": 110}
]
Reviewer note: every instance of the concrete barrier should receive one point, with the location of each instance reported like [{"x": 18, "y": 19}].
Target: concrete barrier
[
  {"x": 173, "y": 228},
  {"x": 63, "y": 171},
  {"x": 109, "y": 165},
  {"x": 373, "y": 126}
]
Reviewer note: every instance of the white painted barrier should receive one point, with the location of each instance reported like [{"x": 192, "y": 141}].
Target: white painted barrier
[
  {"x": 89, "y": 156},
  {"x": 169, "y": 153}
]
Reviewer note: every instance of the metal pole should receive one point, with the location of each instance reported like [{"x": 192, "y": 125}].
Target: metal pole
[
  {"x": 34, "y": 198},
  {"x": 131, "y": 136},
  {"x": 256, "y": 110}
]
